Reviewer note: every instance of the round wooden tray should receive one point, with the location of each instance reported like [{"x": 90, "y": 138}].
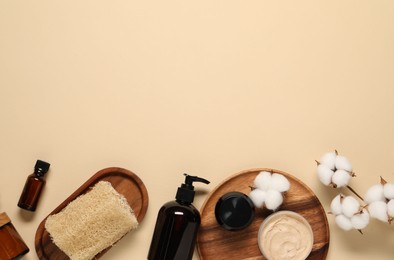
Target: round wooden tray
[
  {"x": 214, "y": 242},
  {"x": 123, "y": 181}
]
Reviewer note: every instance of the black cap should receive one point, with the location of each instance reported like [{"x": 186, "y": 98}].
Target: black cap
[
  {"x": 234, "y": 211},
  {"x": 186, "y": 191},
  {"x": 41, "y": 168}
]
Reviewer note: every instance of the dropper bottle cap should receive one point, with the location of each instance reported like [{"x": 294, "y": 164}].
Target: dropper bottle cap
[
  {"x": 41, "y": 168},
  {"x": 186, "y": 191}
]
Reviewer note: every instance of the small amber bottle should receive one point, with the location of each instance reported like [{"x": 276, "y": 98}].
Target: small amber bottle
[
  {"x": 33, "y": 186},
  {"x": 12, "y": 245}
]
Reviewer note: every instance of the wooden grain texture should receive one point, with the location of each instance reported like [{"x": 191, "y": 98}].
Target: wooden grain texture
[
  {"x": 4, "y": 219},
  {"x": 124, "y": 181},
  {"x": 214, "y": 242}
]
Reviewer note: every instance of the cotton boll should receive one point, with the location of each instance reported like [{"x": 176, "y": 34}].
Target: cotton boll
[
  {"x": 374, "y": 193},
  {"x": 378, "y": 210},
  {"x": 258, "y": 197},
  {"x": 343, "y": 222},
  {"x": 360, "y": 221},
  {"x": 342, "y": 163},
  {"x": 341, "y": 178},
  {"x": 279, "y": 182},
  {"x": 263, "y": 180},
  {"x": 390, "y": 208},
  {"x": 325, "y": 174},
  {"x": 328, "y": 159},
  {"x": 388, "y": 190},
  {"x": 350, "y": 206},
  {"x": 273, "y": 199},
  {"x": 336, "y": 207}
]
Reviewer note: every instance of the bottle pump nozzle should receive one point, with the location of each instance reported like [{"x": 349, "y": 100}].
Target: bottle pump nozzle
[{"x": 186, "y": 192}]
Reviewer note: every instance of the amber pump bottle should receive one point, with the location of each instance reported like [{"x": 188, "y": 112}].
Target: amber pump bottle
[
  {"x": 33, "y": 186},
  {"x": 12, "y": 245},
  {"x": 177, "y": 224}
]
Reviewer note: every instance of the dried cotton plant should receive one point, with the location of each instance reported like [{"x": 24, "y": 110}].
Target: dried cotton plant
[
  {"x": 268, "y": 189},
  {"x": 336, "y": 171}
]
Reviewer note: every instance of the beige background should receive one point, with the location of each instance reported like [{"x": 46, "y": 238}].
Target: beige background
[{"x": 205, "y": 87}]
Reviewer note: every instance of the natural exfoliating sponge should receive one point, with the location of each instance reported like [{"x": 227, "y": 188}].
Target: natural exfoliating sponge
[{"x": 92, "y": 222}]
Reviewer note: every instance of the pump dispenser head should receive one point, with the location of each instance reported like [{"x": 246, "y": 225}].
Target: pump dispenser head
[{"x": 186, "y": 191}]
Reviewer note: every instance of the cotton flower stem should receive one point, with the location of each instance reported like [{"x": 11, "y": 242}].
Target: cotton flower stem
[
  {"x": 354, "y": 192},
  {"x": 362, "y": 208}
]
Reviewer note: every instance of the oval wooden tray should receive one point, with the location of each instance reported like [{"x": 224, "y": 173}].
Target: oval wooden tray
[
  {"x": 124, "y": 181},
  {"x": 214, "y": 242}
]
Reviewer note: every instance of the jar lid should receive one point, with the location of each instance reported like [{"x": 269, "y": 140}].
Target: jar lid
[
  {"x": 234, "y": 211},
  {"x": 4, "y": 219}
]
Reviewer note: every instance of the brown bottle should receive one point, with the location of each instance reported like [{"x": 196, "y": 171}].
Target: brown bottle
[
  {"x": 33, "y": 186},
  {"x": 177, "y": 224},
  {"x": 12, "y": 245}
]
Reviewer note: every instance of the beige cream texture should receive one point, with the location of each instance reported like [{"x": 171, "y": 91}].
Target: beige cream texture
[
  {"x": 92, "y": 222},
  {"x": 285, "y": 236},
  {"x": 210, "y": 88}
]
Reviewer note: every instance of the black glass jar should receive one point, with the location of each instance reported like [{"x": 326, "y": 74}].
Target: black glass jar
[{"x": 234, "y": 211}]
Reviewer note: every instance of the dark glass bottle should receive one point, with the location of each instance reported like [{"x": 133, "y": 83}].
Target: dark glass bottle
[
  {"x": 33, "y": 186},
  {"x": 12, "y": 245},
  {"x": 177, "y": 224}
]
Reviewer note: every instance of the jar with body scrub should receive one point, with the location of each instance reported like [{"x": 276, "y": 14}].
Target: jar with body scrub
[{"x": 285, "y": 235}]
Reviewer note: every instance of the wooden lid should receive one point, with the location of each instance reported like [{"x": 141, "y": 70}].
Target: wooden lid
[{"x": 4, "y": 219}]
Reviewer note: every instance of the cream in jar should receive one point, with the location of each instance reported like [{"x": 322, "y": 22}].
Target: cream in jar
[{"x": 285, "y": 235}]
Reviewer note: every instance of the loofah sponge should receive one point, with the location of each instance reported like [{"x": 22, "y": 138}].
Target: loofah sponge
[{"x": 92, "y": 222}]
